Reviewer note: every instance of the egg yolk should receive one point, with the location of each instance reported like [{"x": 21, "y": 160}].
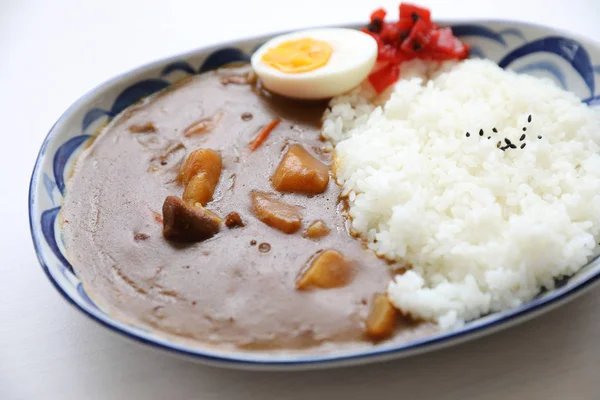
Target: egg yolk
[{"x": 296, "y": 56}]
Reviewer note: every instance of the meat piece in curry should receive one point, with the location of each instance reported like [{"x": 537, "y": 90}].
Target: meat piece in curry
[{"x": 183, "y": 222}]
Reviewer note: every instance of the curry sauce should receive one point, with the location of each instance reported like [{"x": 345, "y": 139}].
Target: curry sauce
[{"x": 238, "y": 286}]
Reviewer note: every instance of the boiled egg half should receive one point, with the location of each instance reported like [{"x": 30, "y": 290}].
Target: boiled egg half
[{"x": 316, "y": 63}]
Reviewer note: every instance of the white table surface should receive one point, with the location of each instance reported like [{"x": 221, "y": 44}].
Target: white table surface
[{"x": 51, "y": 52}]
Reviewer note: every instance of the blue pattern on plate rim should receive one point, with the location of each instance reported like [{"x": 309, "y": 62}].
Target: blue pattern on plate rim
[
  {"x": 571, "y": 50},
  {"x": 504, "y": 42},
  {"x": 126, "y": 98},
  {"x": 547, "y": 66}
]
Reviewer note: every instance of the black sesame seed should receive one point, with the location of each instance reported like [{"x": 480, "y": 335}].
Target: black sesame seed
[
  {"x": 529, "y": 118},
  {"x": 522, "y": 137},
  {"x": 504, "y": 148},
  {"x": 414, "y": 16},
  {"x": 481, "y": 132},
  {"x": 468, "y": 134},
  {"x": 539, "y": 136},
  {"x": 495, "y": 130},
  {"x": 489, "y": 137},
  {"x": 416, "y": 46},
  {"x": 523, "y": 145},
  {"x": 512, "y": 146},
  {"x": 524, "y": 129},
  {"x": 507, "y": 141}
]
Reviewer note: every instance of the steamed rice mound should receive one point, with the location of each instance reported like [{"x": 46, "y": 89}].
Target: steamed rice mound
[{"x": 483, "y": 229}]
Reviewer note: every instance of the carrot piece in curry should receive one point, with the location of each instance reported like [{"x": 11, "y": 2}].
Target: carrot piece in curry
[
  {"x": 263, "y": 134},
  {"x": 157, "y": 217}
]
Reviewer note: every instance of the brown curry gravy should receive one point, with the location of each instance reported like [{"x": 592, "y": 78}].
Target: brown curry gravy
[{"x": 237, "y": 289}]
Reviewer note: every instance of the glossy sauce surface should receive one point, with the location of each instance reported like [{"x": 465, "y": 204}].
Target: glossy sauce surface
[{"x": 237, "y": 289}]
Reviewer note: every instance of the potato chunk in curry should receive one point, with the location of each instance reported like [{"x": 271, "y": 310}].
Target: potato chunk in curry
[
  {"x": 328, "y": 269},
  {"x": 202, "y": 160},
  {"x": 198, "y": 190},
  {"x": 300, "y": 172},
  {"x": 275, "y": 213},
  {"x": 381, "y": 321},
  {"x": 317, "y": 230},
  {"x": 200, "y": 174}
]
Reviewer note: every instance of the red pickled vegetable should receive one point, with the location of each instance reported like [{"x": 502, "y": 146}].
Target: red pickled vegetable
[
  {"x": 378, "y": 14},
  {"x": 412, "y": 36},
  {"x": 384, "y": 77},
  {"x": 419, "y": 38},
  {"x": 445, "y": 41},
  {"x": 413, "y": 12}
]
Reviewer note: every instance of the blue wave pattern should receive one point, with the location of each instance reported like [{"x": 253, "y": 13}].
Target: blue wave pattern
[
  {"x": 48, "y": 224},
  {"x": 62, "y": 157},
  {"x": 476, "y": 52},
  {"x": 127, "y": 97},
  {"x": 546, "y": 66},
  {"x": 215, "y": 60},
  {"x": 567, "y": 49},
  {"x": 592, "y": 101},
  {"x": 512, "y": 32},
  {"x": 49, "y": 185},
  {"x": 178, "y": 66}
]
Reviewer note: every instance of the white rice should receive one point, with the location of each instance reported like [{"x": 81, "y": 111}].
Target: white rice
[{"x": 483, "y": 229}]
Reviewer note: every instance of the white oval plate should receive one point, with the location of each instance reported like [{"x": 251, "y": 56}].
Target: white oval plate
[{"x": 572, "y": 62}]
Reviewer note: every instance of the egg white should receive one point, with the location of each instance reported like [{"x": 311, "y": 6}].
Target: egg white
[{"x": 353, "y": 56}]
